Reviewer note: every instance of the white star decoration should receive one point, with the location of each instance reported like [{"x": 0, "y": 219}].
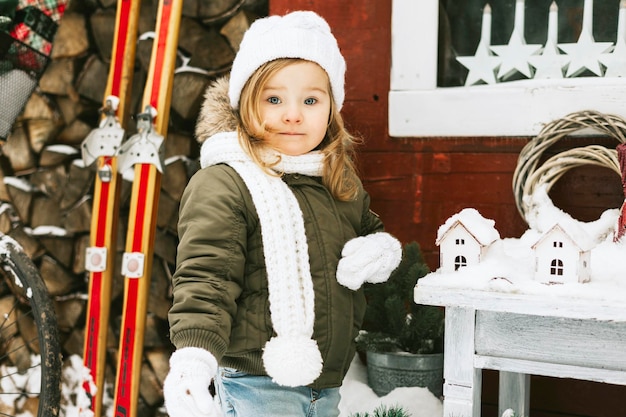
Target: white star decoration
[
  {"x": 514, "y": 58},
  {"x": 551, "y": 62},
  {"x": 481, "y": 67},
  {"x": 585, "y": 54},
  {"x": 483, "y": 64},
  {"x": 615, "y": 62},
  {"x": 515, "y": 55}
]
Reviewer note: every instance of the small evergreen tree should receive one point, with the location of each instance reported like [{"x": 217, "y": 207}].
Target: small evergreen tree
[{"x": 393, "y": 321}]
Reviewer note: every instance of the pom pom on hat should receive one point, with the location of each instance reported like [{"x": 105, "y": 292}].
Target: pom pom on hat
[{"x": 300, "y": 34}]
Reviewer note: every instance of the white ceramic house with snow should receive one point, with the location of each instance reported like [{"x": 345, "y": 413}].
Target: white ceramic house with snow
[
  {"x": 464, "y": 239},
  {"x": 560, "y": 259}
]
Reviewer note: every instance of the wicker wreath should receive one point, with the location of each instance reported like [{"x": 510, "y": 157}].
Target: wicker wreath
[{"x": 528, "y": 176}]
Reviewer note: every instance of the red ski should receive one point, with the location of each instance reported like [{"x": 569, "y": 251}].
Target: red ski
[
  {"x": 101, "y": 147},
  {"x": 144, "y": 152}
]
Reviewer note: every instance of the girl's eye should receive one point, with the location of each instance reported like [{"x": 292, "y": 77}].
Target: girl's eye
[
  {"x": 273, "y": 100},
  {"x": 310, "y": 101}
]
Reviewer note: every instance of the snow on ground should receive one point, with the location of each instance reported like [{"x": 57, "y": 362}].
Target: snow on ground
[{"x": 357, "y": 396}]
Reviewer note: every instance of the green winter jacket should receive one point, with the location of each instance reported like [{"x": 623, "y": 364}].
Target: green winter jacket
[{"x": 220, "y": 285}]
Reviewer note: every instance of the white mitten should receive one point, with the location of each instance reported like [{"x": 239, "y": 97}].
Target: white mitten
[
  {"x": 186, "y": 387},
  {"x": 369, "y": 258}
]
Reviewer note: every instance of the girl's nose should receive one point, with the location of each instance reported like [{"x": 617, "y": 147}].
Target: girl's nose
[{"x": 293, "y": 114}]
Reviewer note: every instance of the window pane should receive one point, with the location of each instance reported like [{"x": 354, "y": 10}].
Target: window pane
[{"x": 460, "y": 26}]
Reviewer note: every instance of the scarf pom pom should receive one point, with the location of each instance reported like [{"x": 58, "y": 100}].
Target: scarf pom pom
[{"x": 292, "y": 361}]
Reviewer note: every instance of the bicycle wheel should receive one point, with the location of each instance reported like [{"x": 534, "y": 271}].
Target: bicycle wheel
[{"x": 30, "y": 354}]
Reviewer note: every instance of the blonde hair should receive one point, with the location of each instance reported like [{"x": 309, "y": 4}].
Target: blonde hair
[{"x": 339, "y": 171}]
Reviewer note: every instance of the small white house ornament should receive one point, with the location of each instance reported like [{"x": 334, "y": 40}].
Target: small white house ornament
[
  {"x": 560, "y": 259},
  {"x": 560, "y": 254},
  {"x": 464, "y": 239}
]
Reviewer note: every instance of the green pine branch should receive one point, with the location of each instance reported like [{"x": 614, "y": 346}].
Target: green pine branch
[{"x": 393, "y": 322}]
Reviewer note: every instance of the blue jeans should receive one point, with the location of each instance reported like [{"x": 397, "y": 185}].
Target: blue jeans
[{"x": 245, "y": 395}]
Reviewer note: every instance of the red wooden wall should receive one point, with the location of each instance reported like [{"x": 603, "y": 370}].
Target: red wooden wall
[{"x": 417, "y": 183}]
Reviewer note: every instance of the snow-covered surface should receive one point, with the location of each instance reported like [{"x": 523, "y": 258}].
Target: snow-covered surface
[
  {"x": 19, "y": 183},
  {"x": 512, "y": 259},
  {"x": 62, "y": 149},
  {"x": 357, "y": 396},
  {"x": 47, "y": 231},
  {"x": 483, "y": 229},
  {"x": 27, "y": 382},
  {"x": 543, "y": 214},
  {"x": 74, "y": 400}
]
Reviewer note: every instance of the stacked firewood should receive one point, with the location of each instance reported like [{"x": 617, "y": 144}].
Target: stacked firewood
[{"x": 50, "y": 188}]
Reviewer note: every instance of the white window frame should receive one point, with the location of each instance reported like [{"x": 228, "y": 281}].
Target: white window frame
[{"x": 418, "y": 108}]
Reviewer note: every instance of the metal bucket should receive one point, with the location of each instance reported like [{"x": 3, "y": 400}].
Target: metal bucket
[{"x": 386, "y": 371}]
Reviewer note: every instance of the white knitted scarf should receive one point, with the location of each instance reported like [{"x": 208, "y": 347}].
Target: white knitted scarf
[{"x": 292, "y": 357}]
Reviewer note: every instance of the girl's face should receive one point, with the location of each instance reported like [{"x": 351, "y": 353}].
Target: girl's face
[{"x": 295, "y": 107}]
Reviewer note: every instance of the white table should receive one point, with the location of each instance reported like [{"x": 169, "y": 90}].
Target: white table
[{"x": 520, "y": 335}]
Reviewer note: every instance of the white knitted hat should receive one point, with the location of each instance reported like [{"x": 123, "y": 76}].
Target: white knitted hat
[{"x": 300, "y": 34}]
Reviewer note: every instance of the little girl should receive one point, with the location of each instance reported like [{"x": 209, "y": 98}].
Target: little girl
[{"x": 276, "y": 235}]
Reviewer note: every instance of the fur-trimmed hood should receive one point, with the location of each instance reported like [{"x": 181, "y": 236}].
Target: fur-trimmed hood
[{"x": 216, "y": 114}]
